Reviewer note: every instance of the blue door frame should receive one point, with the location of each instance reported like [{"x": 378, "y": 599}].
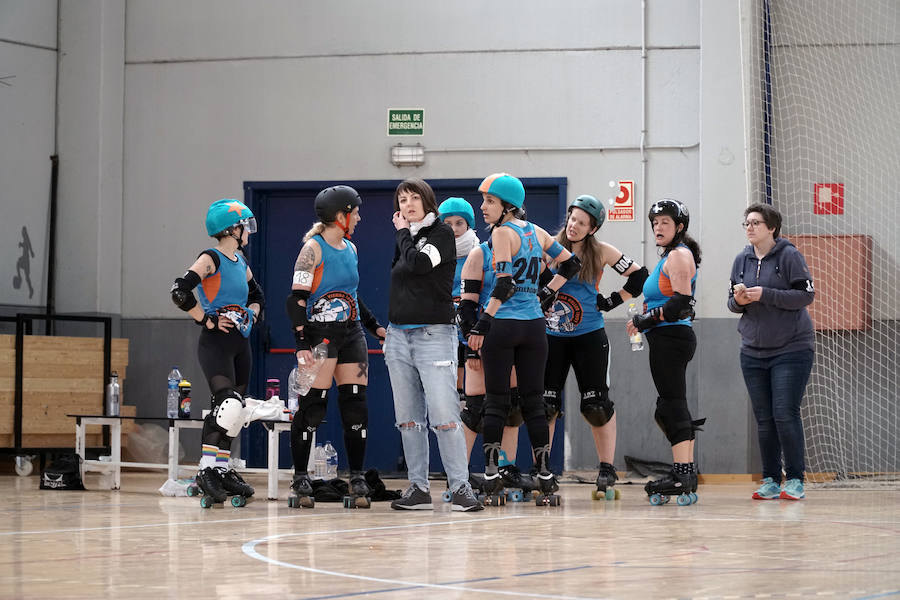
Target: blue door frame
[{"x": 285, "y": 212}]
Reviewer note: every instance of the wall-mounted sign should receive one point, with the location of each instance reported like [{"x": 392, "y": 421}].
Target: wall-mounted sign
[
  {"x": 622, "y": 208},
  {"x": 828, "y": 198},
  {"x": 406, "y": 121}
]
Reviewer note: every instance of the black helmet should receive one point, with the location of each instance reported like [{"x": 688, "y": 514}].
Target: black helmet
[
  {"x": 674, "y": 209},
  {"x": 591, "y": 206},
  {"x": 335, "y": 199}
]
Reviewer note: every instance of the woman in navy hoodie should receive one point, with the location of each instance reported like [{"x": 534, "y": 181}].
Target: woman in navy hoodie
[{"x": 771, "y": 288}]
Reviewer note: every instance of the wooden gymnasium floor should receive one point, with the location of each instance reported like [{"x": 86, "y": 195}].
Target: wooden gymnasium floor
[{"x": 137, "y": 544}]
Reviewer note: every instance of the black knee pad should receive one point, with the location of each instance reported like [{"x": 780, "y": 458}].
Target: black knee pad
[
  {"x": 515, "y": 418},
  {"x": 311, "y": 412},
  {"x": 552, "y": 405},
  {"x": 596, "y": 407},
  {"x": 496, "y": 406},
  {"x": 473, "y": 413},
  {"x": 674, "y": 418},
  {"x": 354, "y": 411}
]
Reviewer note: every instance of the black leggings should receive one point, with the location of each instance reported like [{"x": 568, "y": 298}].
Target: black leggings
[
  {"x": 588, "y": 355},
  {"x": 523, "y": 344},
  {"x": 226, "y": 359},
  {"x": 671, "y": 349}
]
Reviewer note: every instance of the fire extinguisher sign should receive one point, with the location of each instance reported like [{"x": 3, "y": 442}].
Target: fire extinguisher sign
[{"x": 622, "y": 208}]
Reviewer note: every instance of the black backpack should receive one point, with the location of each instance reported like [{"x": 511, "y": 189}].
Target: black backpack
[{"x": 64, "y": 473}]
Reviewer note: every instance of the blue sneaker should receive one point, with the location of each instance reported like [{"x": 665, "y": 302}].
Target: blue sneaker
[
  {"x": 769, "y": 490},
  {"x": 792, "y": 490}
]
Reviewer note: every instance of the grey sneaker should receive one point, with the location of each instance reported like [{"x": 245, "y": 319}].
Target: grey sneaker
[
  {"x": 414, "y": 498},
  {"x": 464, "y": 500}
]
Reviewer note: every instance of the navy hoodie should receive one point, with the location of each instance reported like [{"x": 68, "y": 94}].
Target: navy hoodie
[{"x": 778, "y": 322}]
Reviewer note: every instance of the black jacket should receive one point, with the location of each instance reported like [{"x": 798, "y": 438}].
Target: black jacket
[{"x": 422, "y": 277}]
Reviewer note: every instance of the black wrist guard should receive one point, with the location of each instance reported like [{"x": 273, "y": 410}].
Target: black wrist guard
[
  {"x": 466, "y": 316},
  {"x": 607, "y": 304},
  {"x": 214, "y": 319},
  {"x": 483, "y": 325},
  {"x": 547, "y": 297},
  {"x": 300, "y": 341},
  {"x": 295, "y": 312},
  {"x": 647, "y": 320}
]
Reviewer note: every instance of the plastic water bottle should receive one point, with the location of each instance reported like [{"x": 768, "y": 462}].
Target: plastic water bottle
[
  {"x": 306, "y": 373},
  {"x": 321, "y": 464},
  {"x": 331, "y": 461},
  {"x": 112, "y": 395},
  {"x": 636, "y": 339},
  {"x": 293, "y": 402},
  {"x": 172, "y": 393}
]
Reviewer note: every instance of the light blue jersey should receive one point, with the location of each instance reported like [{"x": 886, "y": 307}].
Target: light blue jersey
[
  {"x": 658, "y": 289},
  {"x": 224, "y": 293},
  {"x": 526, "y": 269},
  {"x": 575, "y": 310},
  {"x": 333, "y": 294}
]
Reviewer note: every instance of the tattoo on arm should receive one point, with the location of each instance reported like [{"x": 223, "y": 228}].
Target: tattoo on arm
[{"x": 306, "y": 260}]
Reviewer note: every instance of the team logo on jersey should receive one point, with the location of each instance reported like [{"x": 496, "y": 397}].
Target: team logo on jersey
[
  {"x": 333, "y": 307},
  {"x": 565, "y": 314},
  {"x": 238, "y": 315}
]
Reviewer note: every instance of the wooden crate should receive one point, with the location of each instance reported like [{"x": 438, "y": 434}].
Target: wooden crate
[{"x": 62, "y": 375}]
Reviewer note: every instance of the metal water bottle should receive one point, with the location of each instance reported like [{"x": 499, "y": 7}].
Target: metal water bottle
[
  {"x": 184, "y": 399},
  {"x": 112, "y": 395}
]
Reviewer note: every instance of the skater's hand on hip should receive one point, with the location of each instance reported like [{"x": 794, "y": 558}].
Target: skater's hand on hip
[{"x": 225, "y": 325}]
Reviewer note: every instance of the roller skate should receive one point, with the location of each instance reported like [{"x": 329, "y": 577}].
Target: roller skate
[
  {"x": 492, "y": 488},
  {"x": 606, "y": 479},
  {"x": 517, "y": 485},
  {"x": 683, "y": 486},
  {"x": 546, "y": 486},
  {"x": 359, "y": 492},
  {"x": 301, "y": 492},
  {"x": 209, "y": 482},
  {"x": 239, "y": 490}
]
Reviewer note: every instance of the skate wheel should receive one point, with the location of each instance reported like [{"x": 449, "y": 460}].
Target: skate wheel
[
  {"x": 349, "y": 502},
  {"x": 595, "y": 495},
  {"x": 238, "y": 501},
  {"x": 293, "y": 502},
  {"x": 516, "y": 496},
  {"x": 612, "y": 494},
  {"x": 308, "y": 502},
  {"x": 656, "y": 500},
  {"x": 694, "y": 498},
  {"x": 363, "y": 502},
  {"x": 193, "y": 490},
  {"x": 555, "y": 500},
  {"x": 447, "y": 496},
  {"x": 24, "y": 466},
  {"x": 497, "y": 500},
  {"x": 684, "y": 500},
  {"x": 206, "y": 502}
]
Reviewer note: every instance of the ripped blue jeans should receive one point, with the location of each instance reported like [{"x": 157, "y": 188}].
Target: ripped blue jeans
[{"x": 422, "y": 366}]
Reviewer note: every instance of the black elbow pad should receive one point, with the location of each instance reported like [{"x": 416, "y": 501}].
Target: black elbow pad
[
  {"x": 297, "y": 313},
  {"x": 504, "y": 289},
  {"x": 183, "y": 291},
  {"x": 255, "y": 294},
  {"x": 678, "y": 307},
  {"x": 570, "y": 267},
  {"x": 470, "y": 286},
  {"x": 634, "y": 285}
]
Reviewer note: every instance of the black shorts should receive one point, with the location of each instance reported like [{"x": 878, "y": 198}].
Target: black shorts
[
  {"x": 461, "y": 355},
  {"x": 346, "y": 340}
]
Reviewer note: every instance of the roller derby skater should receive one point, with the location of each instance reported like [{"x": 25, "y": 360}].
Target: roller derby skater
[
  {"x": 511, "y": 329},
  {"x": 323, "y": 305},
  {"x": 669, "y": 296},
  {"x": 606, "y": 479},
  {"x": 301, "y": 493},
  {"x": 576, "y": 333},
  {"x": 229, "y": 305}
]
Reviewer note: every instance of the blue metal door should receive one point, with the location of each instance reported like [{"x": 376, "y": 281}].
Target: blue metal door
[{"x": 285, "y": 212}]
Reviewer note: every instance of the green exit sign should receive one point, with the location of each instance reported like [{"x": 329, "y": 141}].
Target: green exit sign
[{"x": 406, "y": 121}]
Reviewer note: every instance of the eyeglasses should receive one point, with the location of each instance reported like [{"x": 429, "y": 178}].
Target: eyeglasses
[{"x": 748, "y": 224}]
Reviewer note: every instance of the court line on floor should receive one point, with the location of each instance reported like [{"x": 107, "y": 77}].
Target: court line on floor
[{"x": 249, "y": 548}]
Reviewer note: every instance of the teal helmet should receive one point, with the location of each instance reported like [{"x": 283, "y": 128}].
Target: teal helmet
[
  {"x": 457, "y": 207},
  {"x": 591, "y": 206},
  {"x": 226, "y": 213},
  {"x": 504, "y": 186}
]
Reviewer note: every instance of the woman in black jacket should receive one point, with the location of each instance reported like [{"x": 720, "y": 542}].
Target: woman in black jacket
[{"x": 420, "y": 347}]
